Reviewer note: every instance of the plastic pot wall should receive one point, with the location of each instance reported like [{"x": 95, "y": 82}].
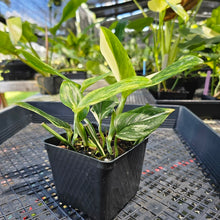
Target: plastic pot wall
[
  {"x": 99, "y": 189},
  {"x": 49, "y": 85}
]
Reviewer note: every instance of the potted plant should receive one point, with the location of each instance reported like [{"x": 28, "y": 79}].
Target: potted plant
[
  {"x": 22, "y": 34},
  {"x": 97, "y": 167},
  {"x": 203, "y": 40},
  {"x": 172, "y": 17}
]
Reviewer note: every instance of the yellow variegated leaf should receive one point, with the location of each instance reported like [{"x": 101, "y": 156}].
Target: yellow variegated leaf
[{"x": 15, "y": 29}]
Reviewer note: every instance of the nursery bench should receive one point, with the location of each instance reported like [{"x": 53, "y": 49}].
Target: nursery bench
[{"x": 19, "y": 85}]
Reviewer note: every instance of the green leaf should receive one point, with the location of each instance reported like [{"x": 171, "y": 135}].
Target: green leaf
[
  {"x": 178, "y": 9},
  {"x": 103, "y": 109},
  {"x": 140, "y": 122},
  {"x": 214, "y": 21},
  {"x": 90, "y": 81},
  {"x": 101, "y": 94},
  {"x": 140, "y": 23},
  {"x": 28, "y": 32},
  {"x": 55, "y": 121},
  {"x": 157, "y": 5},
  {"x": 184, "y": 63},
  {"x": 120, "y": 29},
  {"x": 58, "y": 136},
  {"x": 92, "y": 133},
  {"x": 70, "y": 95},
  {"x": 115, "y": 55},
  {"x": 98, "y": 69},
  {"x": 69, "y": 11},
  {"x": 6, "y": 47},
  {"x": 42, "y": 67},
  {"x": 15, "y": 29}
]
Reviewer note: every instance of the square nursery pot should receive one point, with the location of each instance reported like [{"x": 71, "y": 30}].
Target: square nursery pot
[
  {"x": 98, "y": 188},
  {"x": 49, "y": 85},
  {"x": 17, "y": 70}
]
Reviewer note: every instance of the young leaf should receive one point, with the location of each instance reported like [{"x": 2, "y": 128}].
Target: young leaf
[
  {"x": 115, "y": 55},
  {"x": 103, "y": 109},
  {"x": 92, "y": 133},
  {"x": 69, "y": 11},
  {"x": 15, "y": 29},
  {"x": 70, "y": 95},
  {"x": 184, "y": 63},
  {"x": 140, "y": 122}
]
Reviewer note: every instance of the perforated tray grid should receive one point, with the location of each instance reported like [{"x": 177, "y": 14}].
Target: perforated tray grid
[{"x": 172, "y": 184}]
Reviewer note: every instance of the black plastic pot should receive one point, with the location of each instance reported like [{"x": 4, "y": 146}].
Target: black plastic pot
[
  {"x": 170, "y": 95},
  {"x": 49, "y": 85},
  {"x": 98, "y": 188},
  {"x": 77, "y": 75},
  {"x": 208, "y": 97},
  {"x": 17, "y": 70}
]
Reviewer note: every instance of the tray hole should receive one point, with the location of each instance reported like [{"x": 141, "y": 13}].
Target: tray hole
[
  {"x": 180, "y": 217},
  {"x": 191, "y": 217},
  {"x": 190, "y": 207},
  {"x": 184, "y": 213}
]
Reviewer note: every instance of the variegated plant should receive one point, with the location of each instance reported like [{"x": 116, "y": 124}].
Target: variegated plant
[{"x": 134, "y": 125}]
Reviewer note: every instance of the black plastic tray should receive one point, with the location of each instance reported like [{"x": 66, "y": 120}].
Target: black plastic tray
[
  {"x": 180, "y": 179},
  {"x": 202, "y": 108}
]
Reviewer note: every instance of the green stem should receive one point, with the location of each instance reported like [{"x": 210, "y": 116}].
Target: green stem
[
  {"x": 213, "y": 75},
  {"x": 58, "y": 136},
  {"x": 80, "y": 129},
  {"x": 116, "y": 147},
  {"x": 121, "y": 104},
  {"x": 111, "y": 133},
  {"x": 101, "y": 133},
  {"x": 33, "y": 50},
  {"x": 174, "y": 84},
  {"x": 140, "y": 8}
]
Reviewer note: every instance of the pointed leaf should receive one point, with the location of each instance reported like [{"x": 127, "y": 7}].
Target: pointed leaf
[
  {"x": 179, "y": 10},
  {"x": 140, "y": 23},
  {"x": 98, "y": 69},
  {"x": 140, "y": 122},
  {"x": 15, "y": 29},
  {"x": 70, "y": 95},
  {"x": 69, "y": 11},
  {"x": 115, "y": 55},
  {"x": 55, "y": 121},
  {"x": 160, "y": 5},
  {"x": 104, "y": 109},
  {"x": 90, "y": 81},
  {"x": 28, "y": 32},
  {"x": 184, "y": 63},
  {"x": 6, "y": 47},
  {"x": 42, "y": 67},
  {"x": 101, "y": 94}
]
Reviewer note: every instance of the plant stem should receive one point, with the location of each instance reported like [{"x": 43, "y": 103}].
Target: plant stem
[
  {"x": 116, "y": 147},
  {"x": 111, "y": 133},
  {"x": 213, "y": 81},
  {"x": 174, "y": 84},
  {"x": 140, "y": 8},
  {"x": 80, "y": 129},
  {"x": 121, "y": 104},
  {"x": 101, "y": 133}
]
